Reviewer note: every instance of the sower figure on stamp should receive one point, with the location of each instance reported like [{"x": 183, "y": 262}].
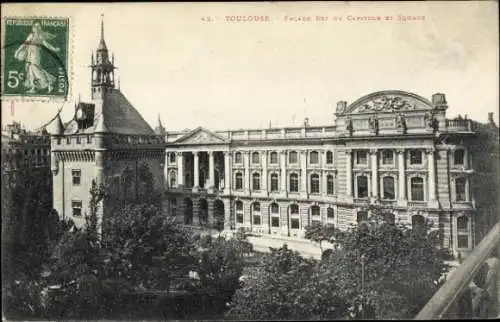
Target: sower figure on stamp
[{"x": 30, "y": 52}]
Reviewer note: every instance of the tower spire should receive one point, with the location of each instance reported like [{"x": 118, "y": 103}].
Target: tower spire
[{"x": 102, "y": 27}]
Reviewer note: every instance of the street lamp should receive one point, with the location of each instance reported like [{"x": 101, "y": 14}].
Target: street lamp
[{"x": 363, "y": 286}]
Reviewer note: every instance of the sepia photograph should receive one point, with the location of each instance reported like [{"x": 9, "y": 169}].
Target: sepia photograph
[{"x": 250, "y": 160}]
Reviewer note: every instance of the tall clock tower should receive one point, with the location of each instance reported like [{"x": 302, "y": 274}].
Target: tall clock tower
[{"x": 107, "y": 141}]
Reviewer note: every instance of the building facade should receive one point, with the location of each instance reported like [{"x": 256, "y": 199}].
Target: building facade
[
  {"x": 107, "y": 141},
  {"x": 394, "y": 150}
]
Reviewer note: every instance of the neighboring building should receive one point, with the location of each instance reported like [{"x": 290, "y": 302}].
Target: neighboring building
[
  {"x": 393, "y": 149},
  {"x": 107, "y": 141},
  {"x": 25, "y": 167}
]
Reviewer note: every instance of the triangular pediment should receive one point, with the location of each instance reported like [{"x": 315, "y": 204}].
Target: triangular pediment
[
  {"x": 201, "y": 136},
  {"x": 388, "y": 101}
]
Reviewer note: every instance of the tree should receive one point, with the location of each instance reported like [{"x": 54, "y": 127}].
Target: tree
[
  {"x": 401, "y": 269},
  {"x": 318, "y": 232},
  {"x": 284, "y": 288},
  {"x": 219, "y": 266}
]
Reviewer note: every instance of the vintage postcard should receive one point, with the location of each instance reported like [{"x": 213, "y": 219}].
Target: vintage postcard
[{"x": 250, "y": 161}]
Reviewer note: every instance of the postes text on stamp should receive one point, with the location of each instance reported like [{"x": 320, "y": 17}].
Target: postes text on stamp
[{"x": 35, "y": 57}]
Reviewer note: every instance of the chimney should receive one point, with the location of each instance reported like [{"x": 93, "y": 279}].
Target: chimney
[
  {"x": 490, "y": 119},
  {"x": 439, "y": 100},
  {"x": 306, "y": 122}
]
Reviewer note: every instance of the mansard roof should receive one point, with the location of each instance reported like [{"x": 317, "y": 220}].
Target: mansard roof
[
  {"x": 386, "y": 101},
  {"x": 116, "y": 116}
]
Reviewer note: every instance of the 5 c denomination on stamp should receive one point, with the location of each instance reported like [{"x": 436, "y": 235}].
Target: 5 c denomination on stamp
[{"x": 36, "y": 57}]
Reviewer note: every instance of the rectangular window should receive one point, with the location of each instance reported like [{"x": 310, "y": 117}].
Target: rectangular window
[
  {"x": 417, "y": 189},
  {"x": 415, "y": 157},
  {"x": 78, "y": 140},
  {"x": 274, "y": 183},
  {"x": 239, "y": 218},
  {"x": 329, "y": 157},
  {"x": 314, "y": 157},
  {"x": 294, "y": 223},
  {"x": 68, "y": 140},
  {"x": 361, "y": 157},
  {"x": 292, "y": 157},
  {"x": 294, "y": 183},
  {"x": 274, "y": 158},
  {"x": 77, "y": 175},
  {"x": 463, "y": 241},
  {"x": 275, "y": 221},
  {"x": 77, "y": 208},
  {"x": 460, "y": 189},
  {"x": 256, "y": 219},
  {"x": 459, "y": 157},
  {"x": 387, "y": 157},
  {"x": 362, "y": 187},
  {"x": 388, "y": 185},
  {"x": 329, "y": 185}
]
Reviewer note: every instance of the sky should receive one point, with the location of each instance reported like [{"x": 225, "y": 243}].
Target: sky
[{"x": 223, "y": 74}]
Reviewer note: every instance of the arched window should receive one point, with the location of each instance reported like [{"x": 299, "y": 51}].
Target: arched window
[
  {"x": 362, "y": 216},
  {"x": 463, "y": 232},
  {"x": 238, "y": 207},
  {"x": 274, "y": 182},
  {"x": 238, "y": 185},
  {"x": 275, "y": 214},
  {"x": 292, "y": 157},
  {"x": 255, "y": 181},
  {"x": 172, "y": 157},
  {"x": 314, "y": 157},
  {"x": 294, "y": 217},
  {"x": 388, "y": 188},
  {"x": 273, "y": 158},
  {"x": 417, "y": 189},
  {"x": 173, "y": 178},
  {"x": 329, "y": 157},
  {"x": 330, "y": 213},
  {"x": 256, "y": 217},
  {"x": 329, "y": 184},
  {"x": 294, "y": 182},
  {"x": 418, "y": 223},
  {"x": 362, "y": 182},
  {"x": 315, "y": 214},
  {"x": 238, "y": 159},
  {"x": 255, "y": 158},
  {"x": 460, "y": 189}
]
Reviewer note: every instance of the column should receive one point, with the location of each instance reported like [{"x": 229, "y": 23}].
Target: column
[
  {"x": 264, "y": 187},
  {"x": 348, "y": 176},
  {"x": 432, "y": 178},
  {"x": 180, "y": 169},
  {"x": 374, "y": 166},
  {"x": 211, "y": 181},
  {"x": 283, "y": 171},
  {"x": 303, "y": 172},
  {"x": 196, "y": 173},
  {"x": 227, "y": 171},
  {"x": 402, "y": 201},
  {"x": 246, "y": 161}
]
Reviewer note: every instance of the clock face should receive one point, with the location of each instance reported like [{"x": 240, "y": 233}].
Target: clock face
[{"x": 79, "y": 114}]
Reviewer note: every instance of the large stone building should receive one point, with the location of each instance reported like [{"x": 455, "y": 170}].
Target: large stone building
[
  {"x": 391, "y": 149},
  {"x": 108, "y": 141}
]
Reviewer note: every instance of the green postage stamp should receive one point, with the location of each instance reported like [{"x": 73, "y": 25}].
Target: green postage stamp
[{"x": 35, "y": 57}]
